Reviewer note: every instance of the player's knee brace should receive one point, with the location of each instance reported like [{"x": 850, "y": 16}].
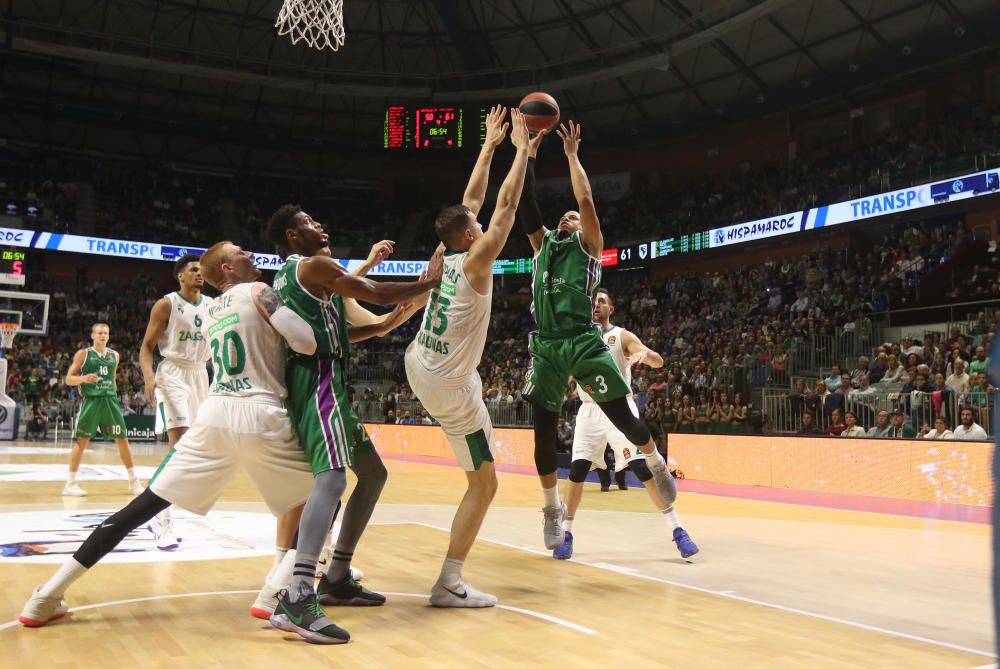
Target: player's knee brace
[
  {"x": 578, "y": 470},
  {"x": 641, "y": 470},
  {"x": 110, "y": 533},
  {"x": 620, "y": 414}
]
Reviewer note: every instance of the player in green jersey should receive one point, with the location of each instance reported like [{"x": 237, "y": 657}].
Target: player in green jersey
[
  {"x": 565, "y": 277},
  {"x": 320, "y": 291},
  {"x": 93, "y": 369}
]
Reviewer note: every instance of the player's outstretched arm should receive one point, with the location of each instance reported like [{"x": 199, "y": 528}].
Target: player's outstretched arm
[
  {"x": 593, "y": 240},
  {"x": 529, "y": 211},
  {"x": 363, "y": 324},
  {"x": 159, "y": 316},
  {"x": 73, "y": 375},
  {"x": 290, "y": 325},
  {"x": 322, "y": 274},
  {"x": 636, "y": 351},
  {"x": 479, "y": 264},
  {"x": 496, "y": 130},
  {"x": 379, "y": 252}
]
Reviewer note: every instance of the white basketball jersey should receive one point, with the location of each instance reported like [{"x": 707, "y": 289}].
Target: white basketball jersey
[
  {"x": 247, "y": 353},
  {"x": 182, "y": 341},
  {"x": 451, "y": 338},
  {"x": 613, "y": 340}
]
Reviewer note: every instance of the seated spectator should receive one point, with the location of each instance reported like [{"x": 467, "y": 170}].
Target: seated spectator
[
  {"x": 837, "y": 425},
  {"x": 893, "y": 370},
  {"x": 959, "y": 380},
  {"x": 878, "y": 368},
  {"x": 809, "y": 427},
  {"x": 406, "y": 419},
  {"x": 980, "y": 363},
  {"x": 881, "y": 427},
  {"x": 390, "y": 417},
  {"x": 425, "y": 418},
  {"x": 852, "y": 428},
  {"x": 564, "y": 435},
  {"x": 834, "y": 380},
  {"x": 38, "y": 423},
  {"x": 968, "y": 429},
  {"x": 940, "y": 430},
  {"x": 900, "y": 428},
  {"x": 861, "y": 370},
  {"x": 814, "y": 400}
]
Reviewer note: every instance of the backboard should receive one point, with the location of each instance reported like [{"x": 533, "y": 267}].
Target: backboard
[{"x": 32, "y": 307}]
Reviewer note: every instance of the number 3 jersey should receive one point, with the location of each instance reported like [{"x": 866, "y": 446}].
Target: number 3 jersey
[
  {"x": 248, "y": 354},
  {"x": 182, "y": 341},
  {"x": 450, "y": 341},
  {"x": 613, "y": 341}
]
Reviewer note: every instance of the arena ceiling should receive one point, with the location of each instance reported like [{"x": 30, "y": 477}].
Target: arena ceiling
[{"x": 218, "y": 67}]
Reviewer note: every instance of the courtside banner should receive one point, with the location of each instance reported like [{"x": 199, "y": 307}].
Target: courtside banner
[{"x": 765, "y": 228}]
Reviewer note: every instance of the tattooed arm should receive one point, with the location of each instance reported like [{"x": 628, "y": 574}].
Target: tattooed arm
[{"x": 290, "y": 325}]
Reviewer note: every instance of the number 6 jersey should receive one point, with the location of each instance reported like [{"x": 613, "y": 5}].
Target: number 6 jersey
[{"x": 450, "y": 341}]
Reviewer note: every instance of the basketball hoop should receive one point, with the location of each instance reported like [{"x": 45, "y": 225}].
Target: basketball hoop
[
  {"x": 7, "y": 333},
  {"x": 319, "y": 23}
]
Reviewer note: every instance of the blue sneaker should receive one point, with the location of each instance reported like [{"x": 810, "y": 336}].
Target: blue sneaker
[
  {"x": 684, "y": 543},
  {"x": 564, "y": 551}
]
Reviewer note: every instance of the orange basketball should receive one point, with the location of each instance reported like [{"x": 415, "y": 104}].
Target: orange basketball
[{"x": 541, "y": 111}]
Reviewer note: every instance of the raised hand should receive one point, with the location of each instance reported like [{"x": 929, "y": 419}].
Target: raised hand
[
  {"x": 435, "y": 267},
  {"x": 519, "y": 131},
  {"x": 496, "y": 129},
  {"x": 570, "y": 137},
  {"x": 535, "y": 142},
  {"x": 380, "y": 252}
]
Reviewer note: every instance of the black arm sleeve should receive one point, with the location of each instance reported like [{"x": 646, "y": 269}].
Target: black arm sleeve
[{"x": 527, "y": 209}]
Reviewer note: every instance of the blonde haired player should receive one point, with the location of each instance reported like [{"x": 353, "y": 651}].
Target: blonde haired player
[
  {"x": 594, "y": 430},
  {"x": 180, "y": 383},
  {"x": 441, "y": 361},
  {"x": 93, "y": 369},
  {"x": 242, "y": 422}
]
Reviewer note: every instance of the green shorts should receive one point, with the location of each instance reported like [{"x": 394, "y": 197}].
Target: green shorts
[
  {"x": 584, "y": 356},
  {"x": 102, "y": 413},
  {"x": 330, "y": 432}
]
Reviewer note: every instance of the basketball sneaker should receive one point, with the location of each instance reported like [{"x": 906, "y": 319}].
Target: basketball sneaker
[
  {"x": 266, "y": 602},
  {"x": 461, "y": 597},
  {"x": 684, "y": 543},
  {"x": 347, "y": 592},
  {"x": 166, "y": 538},
  {"x": 564, "y": 551},
  {"x": 135, "y": 488},
  {"x": 307, "y": 619},
  {"x": 73, "y": 490},
  {"x": 39, "y": 610},
  {"x": 552, "y": 529}
]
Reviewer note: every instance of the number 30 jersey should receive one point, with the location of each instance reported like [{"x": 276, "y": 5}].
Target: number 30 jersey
[
  {"x": 247, "y": 353},
  {"x": 450, "y": 341}
]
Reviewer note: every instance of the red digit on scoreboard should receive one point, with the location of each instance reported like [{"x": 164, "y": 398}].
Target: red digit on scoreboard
[{"x": 16, "y": 269}]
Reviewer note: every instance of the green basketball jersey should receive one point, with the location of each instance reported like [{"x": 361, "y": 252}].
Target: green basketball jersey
[
  {"x": 104, "y": 367},
  {"x": 563, "y": 286},
  {"x": 326, "y": 317}
]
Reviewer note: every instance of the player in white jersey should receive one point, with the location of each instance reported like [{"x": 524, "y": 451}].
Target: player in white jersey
[
  {"x": 441, "y": 361},
  {"x": 180, "y": 383},
  {"x": 594, "y": 430},
  {"x": 242, "y": 422}
]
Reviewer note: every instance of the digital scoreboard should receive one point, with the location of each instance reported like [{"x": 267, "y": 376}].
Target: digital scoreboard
[
  {"x": 12, "y": 266},
  {"x": 424, "y": 127}
]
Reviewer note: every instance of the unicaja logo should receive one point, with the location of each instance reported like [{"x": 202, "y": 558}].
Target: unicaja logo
[
  {"x": 720, "y": 237},
  {"x": 3, "y": 414},
  {"x": 958, "y": 186}
]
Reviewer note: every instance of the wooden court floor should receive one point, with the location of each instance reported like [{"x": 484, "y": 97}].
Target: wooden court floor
[{"x": 775, "y": 585}]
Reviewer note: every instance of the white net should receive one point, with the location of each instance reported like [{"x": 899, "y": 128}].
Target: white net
[
  {"x": 318, "y": 23},
  {"x": 7, "y": 333}
]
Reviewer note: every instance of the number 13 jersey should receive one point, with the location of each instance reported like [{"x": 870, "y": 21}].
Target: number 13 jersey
[{"x": 450, "y": 341}]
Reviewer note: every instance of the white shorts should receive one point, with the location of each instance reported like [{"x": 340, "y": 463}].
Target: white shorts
[
  {"x": 458, "y": 405},
  {"x": 230, "y": 432},
  {"x": 179, "y": 393},
  {"x": 594, "y": 430}
]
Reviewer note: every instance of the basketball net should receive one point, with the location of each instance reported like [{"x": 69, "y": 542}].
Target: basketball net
[
  {"x": 318, "y": 23},
  {"x": 7, "y": 333}
]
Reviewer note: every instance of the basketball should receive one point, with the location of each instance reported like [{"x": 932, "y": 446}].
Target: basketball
[{"x": 541, "y": 111}]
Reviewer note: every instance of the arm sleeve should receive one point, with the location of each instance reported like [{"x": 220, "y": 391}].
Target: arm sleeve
[
  {"x": 295, "y": 330},
  {"x": 528, "y": 211}
]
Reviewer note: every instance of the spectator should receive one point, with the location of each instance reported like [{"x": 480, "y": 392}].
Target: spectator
[
  {"x": 959, "y": 380},
  {"x": 38, "y": 423},
  {"x": 809, "y": 427},
  {"x": 655, "y": 429},
  {"x": 881, "y": 427},
  {"x": 564, "y": 434},
  {"x": 852, "y": 428},
  {"x": 900, "y": 428},
  {"x": 878, "y": 367},
  {"x": 893, "y": 370},
  {"x": 834, "y": 380},
  {"x": 980, "y": 363},
  {"x": 940, "y": 430},
  {"x": 425, "y": 418},
  {"x": 741, "y": 415},
  {"x": 406, "y": 419},
  {"x": 968, "y": 429},
  {"x": 861, "y": 370},
  {"x": 390, "y": 417},
  {"x": 837, "y": 425}
]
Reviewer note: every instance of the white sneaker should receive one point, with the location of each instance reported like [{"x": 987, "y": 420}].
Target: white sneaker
[
  {"x": 462, "y": 597},
  {"x": 166, "y": 538},
  {"x": 135, "y": 488},
  {"x": 266, "y": 602},
  {"x": 552, "y": 529},
  {"x": 39, "y": 610},
  {"x": 73, "y": 490}
]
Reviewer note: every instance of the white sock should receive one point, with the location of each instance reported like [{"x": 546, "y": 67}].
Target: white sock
[
  {"x": 451, "y": 573},
  {"x": 281, "y": 575},
  {"x": 671, "y": 517},
  {"x": 552, "y": 496},
  {"x": 71, "y": 478},
  {"x": 131, "y": 473},
  {"x": 653, "y": 459},
  {"x": 62, "y": 579},
  {"x": 165, "y": 517},
  {"x": 279, "y": 555},
  {"x": 567, "y": 523}
]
